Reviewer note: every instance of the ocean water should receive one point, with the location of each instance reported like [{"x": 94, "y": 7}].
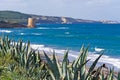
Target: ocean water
[{"x": 60, "y": 37}]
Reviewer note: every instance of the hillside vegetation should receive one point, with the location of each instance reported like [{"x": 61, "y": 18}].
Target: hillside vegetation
[
  {"x": 17, "y": 17},
  {"x": 13, "y": 17}
]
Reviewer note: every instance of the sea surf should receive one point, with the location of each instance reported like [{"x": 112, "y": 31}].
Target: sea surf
[{"x": 61, "y": 37}]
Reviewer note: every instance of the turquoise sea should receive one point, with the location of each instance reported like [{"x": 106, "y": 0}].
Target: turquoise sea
[{"x": 100, "y": 37}]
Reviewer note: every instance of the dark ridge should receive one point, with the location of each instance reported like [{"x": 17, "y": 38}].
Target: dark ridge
[{"x": 11, "y": 25}]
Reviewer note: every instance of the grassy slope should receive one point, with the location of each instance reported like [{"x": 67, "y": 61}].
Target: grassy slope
[{"x": 14, "y": 17}]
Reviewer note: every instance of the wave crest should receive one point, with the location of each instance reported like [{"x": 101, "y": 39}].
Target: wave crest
[
  {"x": 73, "y": 55},
  {"x": 99, "y": 49},
  {"x": 52, "y": 28},
  {"x": 5, "y": 31}
]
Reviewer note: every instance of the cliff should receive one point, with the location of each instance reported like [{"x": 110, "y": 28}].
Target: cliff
[{"x": 17, "y": 17}]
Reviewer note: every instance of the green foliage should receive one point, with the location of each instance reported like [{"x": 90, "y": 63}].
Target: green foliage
[
  {"x": 19, "y": 58},
  {"x": 19, "y": 62},
  {"x": 13, "y": 17}
]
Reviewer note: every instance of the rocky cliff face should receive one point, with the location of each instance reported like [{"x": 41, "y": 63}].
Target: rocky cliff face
[
  {"x": 61, "y": 20},
  {"x": 11, "y": 25}
]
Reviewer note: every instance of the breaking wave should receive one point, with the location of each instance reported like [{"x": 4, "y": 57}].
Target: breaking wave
[
  {"x": 35, "y": 34},
  {"x": 52, "y": 28},
  {"x": 99, "y": 49},
  {"x": 73, "y": 55},
  {"x": 5, "y": 31}
]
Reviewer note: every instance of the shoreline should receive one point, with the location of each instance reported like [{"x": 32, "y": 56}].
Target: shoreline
[
  {"x": 109, "y": 61},
  {"x": 28, "y": 57}
]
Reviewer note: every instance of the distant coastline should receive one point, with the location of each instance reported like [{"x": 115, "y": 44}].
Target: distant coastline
[{"x": 21, "y": 18}]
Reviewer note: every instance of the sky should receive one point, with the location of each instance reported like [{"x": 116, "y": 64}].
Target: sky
[{"x": 82, "y": 9}]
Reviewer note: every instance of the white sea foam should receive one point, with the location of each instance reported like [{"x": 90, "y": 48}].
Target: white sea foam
[
  {"x": 73, "y": 54},
  {"x": 106, "y": 59},
  {"x": 42, "y": 28},
  {"x": 30, "y": 33},
  {"x": 52, "y": 28},
  {"x": 34, "y": 46},
  {"x": 62, "y": 28},
  {"x": 98, "y": 49},
  {"x": 36, "y": 34},
  {"x": 22, "y": 33},
  {"x": 5, "y": 31},
  {"x": 67, "y": 32}
]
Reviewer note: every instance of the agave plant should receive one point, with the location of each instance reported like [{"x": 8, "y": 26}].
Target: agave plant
[
  {"x": 19, "y": 61},
  {"x": 24, "y": 59},
  {"x": 70, "y": 71},
  {"x": 4, "y": 45}
]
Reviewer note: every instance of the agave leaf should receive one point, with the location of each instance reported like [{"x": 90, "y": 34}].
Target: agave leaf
[
  {"x": 110, "y": 77},
  {"x": 69, "y": 77},
  {"x": 75, "y": 63},
  {"x": 48, "y": 59},
  {"x": 34, "y": 57},
  {"x": 53, "y": 70},
  {"x": 93, "y": 66},
  {"x": 118, "y": 75},
  {"x": 51, "y": 73},
  {"x": 42, "y": 72},
  {"x": 28, "y": 47},
  {"x": 82, "y": 69},
  {"x": 41, "y": 67},
  {"x": 82, "y": 61},
  {"x": 94, "y": 63},
  {"x": 24, "y": 47},
  {"x": 85, "y": 54},
  {"x": 102, "y": 77},
  {"x": 64, "y": 65},
  {"x": 20, "y": 45},
  {"x": 29, "y": 60},
  {"x": 82, "y": 65},
  {"x": 97, "y": 73},
  {"x": 57, "y": 69},
  {"x": 37, "y": 57}
]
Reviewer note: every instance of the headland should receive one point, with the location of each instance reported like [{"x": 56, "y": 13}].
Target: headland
[{"x": 15, "y": 19}]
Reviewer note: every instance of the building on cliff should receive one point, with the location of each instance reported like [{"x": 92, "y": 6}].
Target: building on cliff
[{"x": 31, "y": 22}]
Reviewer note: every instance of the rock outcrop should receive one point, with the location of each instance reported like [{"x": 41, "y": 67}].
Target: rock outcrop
[{"x": 11, "y": 25}]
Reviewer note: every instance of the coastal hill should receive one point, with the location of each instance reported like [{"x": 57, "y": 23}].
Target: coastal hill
[
  {"x": 13, "y": 17},
  {"x": 17, "y": 17}
]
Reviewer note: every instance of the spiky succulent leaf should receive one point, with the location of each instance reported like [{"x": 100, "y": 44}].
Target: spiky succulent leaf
[{"x": 93, "y": 66}]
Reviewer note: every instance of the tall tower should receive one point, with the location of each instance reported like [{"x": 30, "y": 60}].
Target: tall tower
[{"x": 31, "y": 23}]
